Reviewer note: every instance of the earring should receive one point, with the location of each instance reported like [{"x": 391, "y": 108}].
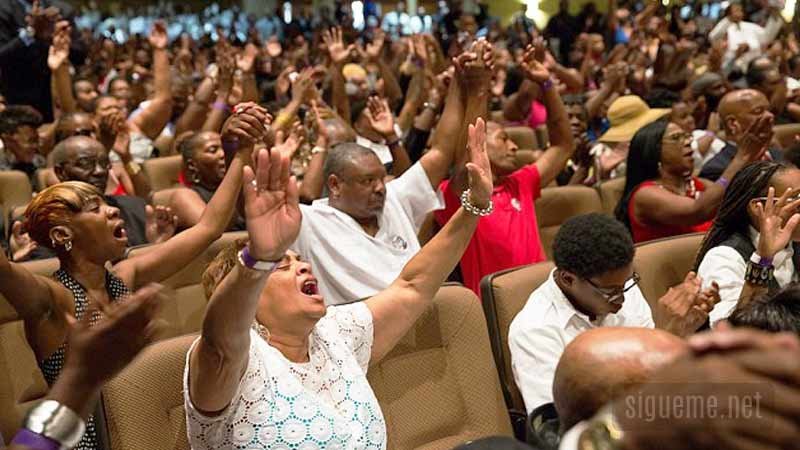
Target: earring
[
  {"x": 195, "y": 178},
  {"x": 261, "y": 330},
  {"x": 68, "y": 245}
]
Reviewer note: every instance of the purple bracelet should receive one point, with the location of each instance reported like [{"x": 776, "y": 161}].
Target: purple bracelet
[
  {"x": 28, "y": 438},
  {"x": 230, "y": 146},
  {"x": 221, "y": 106},
  {"x": 547, "y": 84},
  {"x": 722, "y": 181}
]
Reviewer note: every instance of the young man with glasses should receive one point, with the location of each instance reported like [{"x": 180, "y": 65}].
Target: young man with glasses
[{"x": 593, "y": 285}]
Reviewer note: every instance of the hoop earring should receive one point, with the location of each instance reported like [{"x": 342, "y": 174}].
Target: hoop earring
[{"x": 261, "y": 330}]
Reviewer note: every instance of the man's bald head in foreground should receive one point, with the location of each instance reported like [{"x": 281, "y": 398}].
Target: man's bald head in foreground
[
  {"x": 740, "y": 108},
  {"x": 602, "y": 363}
]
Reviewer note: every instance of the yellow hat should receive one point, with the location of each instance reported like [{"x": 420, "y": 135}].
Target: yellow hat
[
  {"x": 627, "y": 115},
  {"x": 353, "y": 71}
]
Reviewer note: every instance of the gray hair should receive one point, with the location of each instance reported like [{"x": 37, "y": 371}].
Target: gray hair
[{"x": 342, "y": 155}]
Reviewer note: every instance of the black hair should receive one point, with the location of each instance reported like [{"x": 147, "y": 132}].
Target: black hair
[
  {"x": 755, "y": 73},
  {"x": 15, "y": 116},
  {"x": 732, "y": 217},
  {"x": 794, "y": 61},
  {"x": 574, "y": 99},
  {"x": 644, "y": 155},
  {"x": 187, "y": 145},
  {"x": 662, "y": 97},
  {"x": 97, "y": 100},
  {"x": 60, "y": 134},
  {"x": 778, "y": 313},
  {"x": 792, "y": 155},
  {"x": 592, "y": 244},
  {"x": 341, "y": 156}
]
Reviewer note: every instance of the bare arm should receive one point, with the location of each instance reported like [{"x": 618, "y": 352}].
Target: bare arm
[
  {"x": 193, "y": 117},
  {"x": 338, "y": 54},
  {"x": 445, "y": 139},
  {"x": 518, "y": 104},
  {"x": 397, "y": 308},
  {"x": 314, "y": 178},
  {"x": 32, "y": 296},
  {"x": 59, "y": 69},
  {"x": 152, "y": 120}
]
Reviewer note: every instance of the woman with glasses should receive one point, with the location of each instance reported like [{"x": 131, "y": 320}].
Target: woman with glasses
[
  {"x": 662, "y": 198},
  {"x": 737, "y": 249},
  {"x": 593, "y": 285}
]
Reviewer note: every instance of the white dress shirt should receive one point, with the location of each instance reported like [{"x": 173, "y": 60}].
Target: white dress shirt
[
  {"x": 382, "y": 151},
  {"x": 348, "y": 263},
  {"x": 727, "y": 267},
  {"x": 546, "y": 324},
  {"x": 755, "y": 36}
]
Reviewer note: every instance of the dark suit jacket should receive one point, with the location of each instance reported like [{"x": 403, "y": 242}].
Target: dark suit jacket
[
  {"x": 24, "y": 75},
  {"x": 713, "y": 169}
]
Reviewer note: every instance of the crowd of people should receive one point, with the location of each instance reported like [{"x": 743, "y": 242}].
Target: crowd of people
[{"x": 369, "y": 160}]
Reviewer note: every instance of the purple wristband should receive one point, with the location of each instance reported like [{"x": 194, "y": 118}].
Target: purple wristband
[
  {"x": 230, "y": 145},
  {"x": 548, "y": 83},
  {"x": 221, "y": 106},
  {"x": 722, "y": 181},
  {"x": 28, "y": 438}
]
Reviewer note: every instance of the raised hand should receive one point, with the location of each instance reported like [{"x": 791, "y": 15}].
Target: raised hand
[
  {"x": 271, "y": 206},
  {"x": 246, "y": 59},
  {"x": 319, "y": 126},
  {"x": 534, "y": 70},
  {"x": 375, "y": 47},
  {"x": 288, "y": 145},
  {"x": 160, "y": 224},
  {"x": 226, "y": 65},
  {"x": 20, "y": 243},
  {"x": 336, "y": 49},
  {"x": 755, "y": 140},
  {"x": 59, "y": 49},
  {"x": 380, "y": 117},
  {"x": 158, "y": 36},
  {"x": 42, "y": 20},
  {"x": 122, "y": 143},
  {"x": 777, "y": 221},
  {"x": 479, "y": 169},
  {"x": 303, "y": 86},
  {"x": 246, "y": 126}
]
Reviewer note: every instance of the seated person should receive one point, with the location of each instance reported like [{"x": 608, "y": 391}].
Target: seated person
[
  {"x": 661, "y": 197},
  {"x": 593, "y": 285},
  {"x": 81, "y": 158},
  {"x": 21, "y": 147},
  {"x": 204, "y": 166},
  {"x": 736, "y": 240},
  {"x": 740, "y": 112},
  {"x": 602, "y": 363}
]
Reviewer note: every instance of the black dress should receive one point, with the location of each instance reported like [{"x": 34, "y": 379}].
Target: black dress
[{"x": 52, "y": 366}]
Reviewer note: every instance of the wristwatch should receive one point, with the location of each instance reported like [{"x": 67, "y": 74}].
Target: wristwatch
[
  {"x": 755, "y": 258},
  {"x": 251, "y": 263},
  {"x": 603, "y": 432},
  {"x": 56, "y": 422}
]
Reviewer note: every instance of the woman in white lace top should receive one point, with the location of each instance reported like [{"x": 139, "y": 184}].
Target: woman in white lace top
[{"x": 273, "y": 368}]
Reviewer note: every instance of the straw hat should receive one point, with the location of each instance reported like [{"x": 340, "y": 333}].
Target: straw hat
[{"x": 627, "y": 115}]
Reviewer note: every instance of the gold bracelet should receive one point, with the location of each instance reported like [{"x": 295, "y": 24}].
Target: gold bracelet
[{"x": 133, "y": 167}]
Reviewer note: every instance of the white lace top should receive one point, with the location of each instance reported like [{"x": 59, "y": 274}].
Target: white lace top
[{"x": 325, "y": 403}]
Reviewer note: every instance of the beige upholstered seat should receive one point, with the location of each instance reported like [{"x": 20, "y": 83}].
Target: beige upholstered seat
[
  {"x": 504, "y": 294},
  {"x": 524, "y": 137},
  {"x": 143, "y": 405},
  {"x": 558, "y": 204},
  {"x": 164, "y": 196},
  {"x": 163, "y": 172},
  {"x": 439, "y": 387},
  {"x": 611, "y": 193},
  {"x": 664, "y": 263},
  {"x": 15, "y": 190}
]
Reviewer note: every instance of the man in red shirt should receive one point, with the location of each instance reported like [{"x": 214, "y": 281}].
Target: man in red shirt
[{"x": 509, "y": 237}]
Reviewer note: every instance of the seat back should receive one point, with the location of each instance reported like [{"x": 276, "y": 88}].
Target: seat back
[
  {"x": 664, "y": 263},
  {"x": 524, "y": 137},
  {"x": 21, "y": 382},
  {"x": 504, "y": 294},
  {"x": 163, "y": 172},
  {"x": 143, "y": 405},
  {"x": 557, "y": 204},
  {"x": 15, "y": 190},
  {"x": 611, "y": 193},
  {"x": 438, "y": 387},
  {"x": 184, "y": 311},
  {"x": 164, "y": 196}
]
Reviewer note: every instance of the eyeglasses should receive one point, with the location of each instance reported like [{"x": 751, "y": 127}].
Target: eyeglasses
[
  {"x": 614, "y": 296},
  {"x": 678, "y": 138}
]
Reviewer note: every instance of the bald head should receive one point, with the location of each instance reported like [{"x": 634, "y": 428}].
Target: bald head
[
  {"x": 81, "y": 158},
  {"x": 601, "y": 363},
  {"x": 736, "y": 107}
]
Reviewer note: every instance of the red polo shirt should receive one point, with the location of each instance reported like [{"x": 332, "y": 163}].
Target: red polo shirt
[{"x": 509, "y": 237}]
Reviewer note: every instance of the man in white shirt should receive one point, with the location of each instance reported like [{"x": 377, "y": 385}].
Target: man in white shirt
[
  {"x": 593, "y": 285},
  {"x": 745, "y": 39}
]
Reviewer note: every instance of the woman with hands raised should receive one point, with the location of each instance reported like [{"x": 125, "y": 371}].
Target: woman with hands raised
[{"x": 270, "y": 344}]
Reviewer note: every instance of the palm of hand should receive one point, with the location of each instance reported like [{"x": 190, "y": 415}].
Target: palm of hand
[
  {"x": 277, "y": 221},
  {"x": 383, "y": 122}
]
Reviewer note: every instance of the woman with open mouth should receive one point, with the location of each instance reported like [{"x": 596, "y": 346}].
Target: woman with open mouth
[
  {"x": 73, "y": 220},
  {"x": 275, "y": 368}
]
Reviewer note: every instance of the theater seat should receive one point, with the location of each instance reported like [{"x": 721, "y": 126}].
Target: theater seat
[
  {"x": 143, "y": 405},
  {"x": 525, "y": 157},
  {"x": 439, "y": 388},
  {"x": 524, "y": 137},
  {"x": 163, "y": 172},
  {"x": 504, "y": 294},
  {"x": 15, "y": 190},
  {"x": 186, "y": 307},
  {"x": 164, "y": 196},
  {"x": 611, "y": 193},
  {"x": 664, "y": 263},
  {"x": 557, "y": 204}
]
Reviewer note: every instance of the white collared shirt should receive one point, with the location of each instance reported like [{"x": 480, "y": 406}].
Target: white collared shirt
[
  {"x": 348, "y": 263},
  {"x": 382, "y": 151},
  {"x": 754, "y": 35},
  {"x": 726, "y": 266},
  {"x": 546, "y": 324}
]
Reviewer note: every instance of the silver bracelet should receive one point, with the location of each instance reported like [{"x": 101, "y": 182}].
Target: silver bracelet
[
  {"x": 472, "y": 209},
  {"x": 55, "y": 421}
]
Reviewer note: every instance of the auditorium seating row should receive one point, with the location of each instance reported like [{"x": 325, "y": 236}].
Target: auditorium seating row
[{"x": 448, "y": 381}]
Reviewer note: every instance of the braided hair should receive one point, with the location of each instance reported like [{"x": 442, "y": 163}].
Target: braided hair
[
  {"x": 644, "y": 156},
  {"x": 732, "y": 217}
]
